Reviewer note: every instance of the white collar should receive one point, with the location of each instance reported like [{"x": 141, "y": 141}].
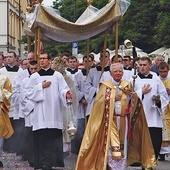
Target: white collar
[{"x": 46, "y": 69}]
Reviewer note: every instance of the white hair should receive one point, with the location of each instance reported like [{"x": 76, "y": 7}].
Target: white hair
[{"x": 116, "y": 64}]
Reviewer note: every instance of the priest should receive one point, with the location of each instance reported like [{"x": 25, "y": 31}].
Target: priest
[{"x": 114, "y": 136}]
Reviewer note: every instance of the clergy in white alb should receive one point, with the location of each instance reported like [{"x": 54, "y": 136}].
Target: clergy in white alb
[
  {"x": 163, "y": 69},
  {"x": 148, "y": 85},
  {"x": 11, "y": 71},
  {"x": 48, "y": 89},
  {"x": 93, "y": 80}
]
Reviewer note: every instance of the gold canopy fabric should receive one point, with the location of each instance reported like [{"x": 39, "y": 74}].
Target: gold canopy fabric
[{"x": 57, "y": 29}]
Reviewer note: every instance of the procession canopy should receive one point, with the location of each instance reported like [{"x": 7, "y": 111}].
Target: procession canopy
[{"x": 55, "y": 28}]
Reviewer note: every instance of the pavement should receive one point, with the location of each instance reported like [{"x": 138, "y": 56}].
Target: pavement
[{"x": 13, "y": 162}]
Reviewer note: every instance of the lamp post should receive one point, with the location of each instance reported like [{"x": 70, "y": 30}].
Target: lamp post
[{"x": 75, "y": 44}]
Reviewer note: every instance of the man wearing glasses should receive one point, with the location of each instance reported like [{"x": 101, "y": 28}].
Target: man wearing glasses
[{"x": 49, "y": 91}]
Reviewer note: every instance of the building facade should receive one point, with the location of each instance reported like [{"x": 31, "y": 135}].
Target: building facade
[{"x": 12, "y": 16}]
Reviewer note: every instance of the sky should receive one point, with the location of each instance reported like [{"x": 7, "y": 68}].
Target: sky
[{"x": 47, "y": 2}]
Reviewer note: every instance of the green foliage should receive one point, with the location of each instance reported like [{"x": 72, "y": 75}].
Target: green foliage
[{"x": 162, "y": 28}]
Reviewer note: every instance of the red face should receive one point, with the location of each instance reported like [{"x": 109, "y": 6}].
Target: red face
[{"x": 144, "y": 67}]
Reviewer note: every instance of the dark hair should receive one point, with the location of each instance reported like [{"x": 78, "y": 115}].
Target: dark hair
[
  {"x": 65, "y": 54},
  {"x": 89, "y": 57},
  {"x": 163, "y": 65},
  {"x": 72, "y": 57},
  {"x": 48, "y": 54},
  {"x": 113, "y": 58},
  {"x": 127, "y": 56},
  {"x": 33, "y": 62},
  {"x": 101, "y": 53},
  {"x": 13, "y": 53},
  {"x": 145, "y": 58}
]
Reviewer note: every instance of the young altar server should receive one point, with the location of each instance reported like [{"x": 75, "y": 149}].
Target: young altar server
[
  {"x": 152, "y": 92},
  {"x": 79, "y": 80},
  {"x": 93, "y": 80},
  {"x": 48, "y": 89},
  {"x": 163, "y": 69},
  {"x": 11, "y": 71}
]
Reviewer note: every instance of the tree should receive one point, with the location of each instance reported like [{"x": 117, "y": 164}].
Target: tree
[
  {"x": 162, "y": 28},
  {"x": 146, "y": 24}
]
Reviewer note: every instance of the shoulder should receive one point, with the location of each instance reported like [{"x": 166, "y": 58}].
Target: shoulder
[
  {"x": 58, "y": 75},
  {"x": 3, "y": 69},
  {"x": 94, "y": 69},
  {"x": 34, "y": 75},
  {"x": 20, "y": 69}
]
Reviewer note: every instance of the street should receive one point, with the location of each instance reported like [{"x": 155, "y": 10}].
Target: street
[{"x": 13, "y": 162}]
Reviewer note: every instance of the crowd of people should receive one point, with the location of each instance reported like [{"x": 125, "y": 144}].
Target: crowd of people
[{"x": 121, "y": 107}]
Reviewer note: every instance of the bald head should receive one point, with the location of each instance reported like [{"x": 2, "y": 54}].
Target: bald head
[{"x": 31, "y": 56}]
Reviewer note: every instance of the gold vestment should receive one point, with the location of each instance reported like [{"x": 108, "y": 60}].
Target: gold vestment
[
  {"x": 6, "y": 129},
  {"x": 101, "y": 132},
  {"x": 166, "y": 119}
]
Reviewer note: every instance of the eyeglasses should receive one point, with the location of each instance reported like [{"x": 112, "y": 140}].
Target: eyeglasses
[{"x": 42, "y": 58}]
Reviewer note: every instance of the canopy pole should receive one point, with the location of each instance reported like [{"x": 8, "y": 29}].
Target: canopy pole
[
  {"x": 38, "y": 41},
  {"x": 35, "y": 45},
  {"x": 88, "y": 52},
  {"x": 38, "y": 45},
  {"x": 28, "y": 43},
  {"x": 116, "y": 41},
  {"x": 104, "y": 51}
]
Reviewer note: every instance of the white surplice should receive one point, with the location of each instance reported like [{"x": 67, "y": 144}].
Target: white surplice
[
  {"x": 153, "y": 114},
  {"x": 91, "y": 86},
  {"x": 17, "y": 84},
  {"x": 11, "y": 75},
  {"x": 79, "y": 81},
  {"x": 48, "y": 101}
]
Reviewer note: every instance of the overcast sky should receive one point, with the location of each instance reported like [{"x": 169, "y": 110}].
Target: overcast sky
[{"x": 47, "y": 2}]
